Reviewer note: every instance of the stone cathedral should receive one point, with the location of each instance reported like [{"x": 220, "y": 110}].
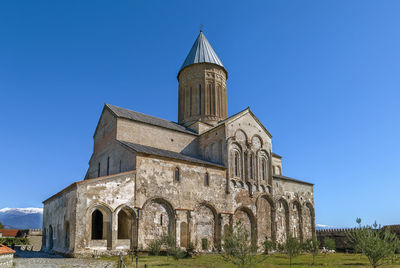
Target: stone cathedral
[{"x": 192, "y": 179}]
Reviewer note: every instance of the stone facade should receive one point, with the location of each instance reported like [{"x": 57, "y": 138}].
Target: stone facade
[{"x": 148, "y": 176}]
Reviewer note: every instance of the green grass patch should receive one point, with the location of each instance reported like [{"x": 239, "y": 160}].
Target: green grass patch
[{"x": 332, "y": 260}]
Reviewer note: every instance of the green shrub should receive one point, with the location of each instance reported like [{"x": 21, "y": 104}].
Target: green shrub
[
  {"x": 155, "y": 247},
  {"x": 268, "y": 245},
  {"x": 292, "y": 247},
  {"x": 16, "y": 241},
  {"x": 238, "y": 248},
  {"x": 329, "y": 243},
  {"x": 378, "y": 244},
  {"x": 312, "y": 246}
]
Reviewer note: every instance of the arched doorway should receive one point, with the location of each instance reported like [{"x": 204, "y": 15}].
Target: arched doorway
[
  {"x": 97, "y": 225},
  {"x": 127, "y": 228}
]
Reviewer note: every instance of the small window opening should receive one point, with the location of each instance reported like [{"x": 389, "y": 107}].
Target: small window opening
[
  {"x": 236, "y": 164},
  {"x": 108, "y": 166},
  {"x": 120, "y": 166},
  {"x": 206, "y": 180},
  {"x": 176, "y": 174},
  {"x": 161, "y": 219},
  {"x": 98, "y": 170}
]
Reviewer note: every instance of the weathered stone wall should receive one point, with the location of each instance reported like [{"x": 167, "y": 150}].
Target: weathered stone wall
[
  {"x": 6, "y": 260},
  {"x": 108, "y": 195},
  {"x": 160, "y": 194},
  {"x": 212, "y": 145},
  {"x": 116, "y": 156},
  {"x": 59, "y": 222},
  {"x": 158, "y": 137},
  {"x": 295, "y": 208}
]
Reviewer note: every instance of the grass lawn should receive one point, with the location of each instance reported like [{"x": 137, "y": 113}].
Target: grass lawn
[{"x": 271, "y": 261}]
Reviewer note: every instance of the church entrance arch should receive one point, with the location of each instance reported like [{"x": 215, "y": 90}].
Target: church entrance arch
[{"x": 127, "y": 227}]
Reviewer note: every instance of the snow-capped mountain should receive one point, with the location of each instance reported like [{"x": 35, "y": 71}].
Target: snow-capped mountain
[
  {"x": 21, "y": 218},
  {"x": 323, "y": 227}
]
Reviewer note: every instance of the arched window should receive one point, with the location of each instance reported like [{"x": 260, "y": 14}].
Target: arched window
[
  {"x": 206, "y": 179},
  {"x": 97, "y": 224},
  {"x": 237, "y": 163},
  {"x": 177, "y": 174},
  {"x": 251, "y": 165},
  {"x": 263, "y": 169},
  {"x": 246, "y": 165},
  {"x": 200, "y": 102},
  {"x": 108, "y": 166}
]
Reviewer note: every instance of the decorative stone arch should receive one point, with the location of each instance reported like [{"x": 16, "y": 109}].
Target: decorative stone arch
[
  {"x": 310, "y": 207},
  {"x": 283, "y": 206},
  {"x": 258, "y": 137},
  {"x": 151, "y": 227},
  {"x": 127, "y": 227},
  {"x": 239, "y": 134},
  {"x": 263, "y": 166},
  {"x": 272, "y": 218},
  {"x": 104, "y": 227},
  {"x": 299, "y": 227},
  {"x": 252, "y": 221},
  {"x": 236, "y": 156},
  {"x": 201, "y": 221}
]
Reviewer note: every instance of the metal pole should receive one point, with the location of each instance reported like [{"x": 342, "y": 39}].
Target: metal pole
[{"x": 137, "y": 262}]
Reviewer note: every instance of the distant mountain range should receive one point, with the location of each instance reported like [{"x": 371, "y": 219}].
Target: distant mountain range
[{"x": 21, "y": 218}]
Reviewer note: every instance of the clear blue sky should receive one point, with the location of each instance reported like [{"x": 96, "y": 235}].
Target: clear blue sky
[{"x": 323, "y": 76}]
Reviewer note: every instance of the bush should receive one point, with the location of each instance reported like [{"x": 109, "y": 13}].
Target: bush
[
  {"x": 292, "y": 247},
  {"x": 172, "y": 250},
  {"x": 329, "y": 243},
  {"x": 268, "y": 245},
  {"x": 238, "y": 248},
  {"x": 8, "y": 241},
  {"x": 155, "y": 247},
  {"x": 312, "y": 246},
  {"x": 378, "y": 244}
]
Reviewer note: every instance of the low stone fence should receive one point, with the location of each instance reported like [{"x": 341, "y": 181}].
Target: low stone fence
[{"x": 6, "y": 260}]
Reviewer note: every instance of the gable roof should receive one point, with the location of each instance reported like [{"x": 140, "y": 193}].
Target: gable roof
[
  {"x": 6, "y": 250},
  {"x": 238, "y": 115},
  {"x": 169, "y": 154},
  {"x": 9, "y": 232},
  {"x": 200, "y": 52},
  {"x": 148, "y": 119}
]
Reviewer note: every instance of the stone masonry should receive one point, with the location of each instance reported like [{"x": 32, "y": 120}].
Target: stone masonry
[{"x": 193, "y": 179}]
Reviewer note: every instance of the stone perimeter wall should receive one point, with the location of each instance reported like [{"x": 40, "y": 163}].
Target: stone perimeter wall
[{"x": 6, "y": 260}]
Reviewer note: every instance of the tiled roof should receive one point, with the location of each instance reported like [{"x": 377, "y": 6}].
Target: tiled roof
[
  {"x": 9, "y": 232},
  {"x": 169, "y": 154},
  {"x": 201, "y": 51},
  {"x": 148, "y": 119},
  {"x": 6, "y": 250}
]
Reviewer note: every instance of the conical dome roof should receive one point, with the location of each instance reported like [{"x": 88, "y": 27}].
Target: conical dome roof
[{"x": 201, "y": 51}]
